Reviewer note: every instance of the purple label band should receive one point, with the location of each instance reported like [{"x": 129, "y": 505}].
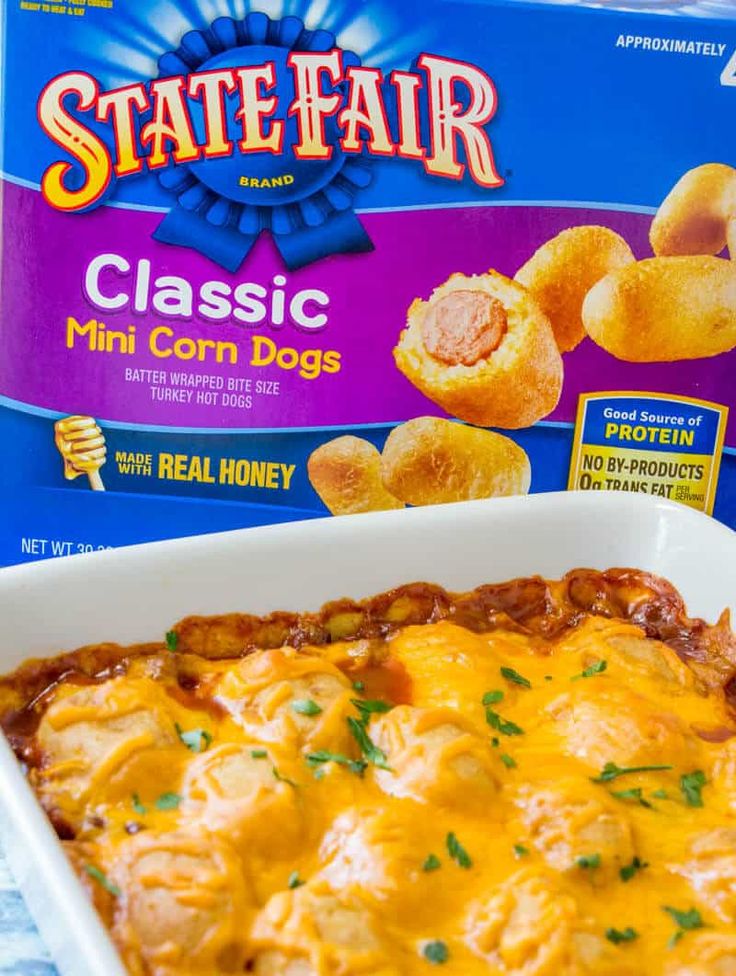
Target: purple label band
[{"x": 266, "y": 348}]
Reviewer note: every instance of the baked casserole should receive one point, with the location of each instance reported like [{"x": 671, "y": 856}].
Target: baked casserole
[{"x": 534, "y": 778}]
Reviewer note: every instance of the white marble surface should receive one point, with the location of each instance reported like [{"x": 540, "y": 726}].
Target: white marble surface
[{"x": 22, "y": 953}]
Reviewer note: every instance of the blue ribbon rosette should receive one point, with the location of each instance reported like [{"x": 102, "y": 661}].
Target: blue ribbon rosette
[{"x": 311, "y": 216}]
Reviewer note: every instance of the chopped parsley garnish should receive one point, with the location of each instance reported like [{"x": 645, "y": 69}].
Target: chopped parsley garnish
[
  {"x": 457, "y": 852},
  {"x": 508, "y": 761},
  {"x": 370, "y": 707},
  {"x": 628, "y": 871},
  {"x": 258, "y": 754},
  {"x": 359, "y": 685},
  {"x": 102, "y": 879},
  {"x": 502, "y": 725},
  {"x": 305, "y": 706},
  {"x": 686, "y": 922},
  {"x": 317, "y": 759},
  {"x": 521, "y": 851},
  {"x": 492, "y": 698},
  {"x": 172, "y": 640},
  {"x": 661, "y": 795},
  {"x": 589, "y": 861},
  {"x": 598, "y": 668},
  {"x": 168, "y": 801},
  {"x": 636, "y": 795},
  {"x": 436, "y": 952},
  {"x": 611, "y": 771},
  {"x": 138, "y": 806},
  {"x": 295, "y": 881},
  {"x": 691, "y": 785},
  {"x": 367, "y": 746},
  {"x": 283, "y": 779},
  {"x": 198, "y": 740},
  {"x": 432, "y": 863},
  {"x": 515, "y": 678},
  {"x": 617, "y": 936},
  {"x": 495, "y": 742}
]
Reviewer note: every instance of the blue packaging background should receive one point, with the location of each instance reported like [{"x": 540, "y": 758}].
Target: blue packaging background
[{"x": 569, "y": 97}]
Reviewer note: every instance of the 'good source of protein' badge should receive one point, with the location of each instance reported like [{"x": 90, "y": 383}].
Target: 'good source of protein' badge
[{"x": 667, "y": 446}]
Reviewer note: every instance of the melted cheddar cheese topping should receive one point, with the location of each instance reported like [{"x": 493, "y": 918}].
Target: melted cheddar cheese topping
[{"x": 473, "y": 803}]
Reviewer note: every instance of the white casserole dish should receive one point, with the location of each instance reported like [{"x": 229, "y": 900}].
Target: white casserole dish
[{"x": 135, "y": 594}]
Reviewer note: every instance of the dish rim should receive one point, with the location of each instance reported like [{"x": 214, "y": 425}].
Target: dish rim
[{"x": 607, "y": 522}]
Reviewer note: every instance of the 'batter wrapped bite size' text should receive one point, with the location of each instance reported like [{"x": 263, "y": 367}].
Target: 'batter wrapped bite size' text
[{"x": 264, "y": 261}]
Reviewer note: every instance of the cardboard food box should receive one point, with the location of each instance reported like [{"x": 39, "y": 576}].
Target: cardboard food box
[{"x": 269, "y": 261}]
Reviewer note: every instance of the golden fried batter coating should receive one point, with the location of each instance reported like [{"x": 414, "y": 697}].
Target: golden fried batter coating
[
  {"x": 483, "y": 349},
  {"x": 429, "y": 461},
  {"x": 694, "y": 216},
  {"x": 665, "y": 309},
  {"x": 731, "y": 237},
  {"x": 562, "y": 272},
  {"x": 346, "y": 474}
]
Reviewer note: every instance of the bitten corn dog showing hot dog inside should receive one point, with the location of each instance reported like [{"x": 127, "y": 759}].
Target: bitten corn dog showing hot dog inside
[
  {"x": 533, "y": 778},
  {"x": 665, "y": 309},
  {"x": 81, "y": 444},
  {"x": 482, "y": 349}
]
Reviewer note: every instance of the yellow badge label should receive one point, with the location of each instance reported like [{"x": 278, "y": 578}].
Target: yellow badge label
[{"x": 663, "y": 445}]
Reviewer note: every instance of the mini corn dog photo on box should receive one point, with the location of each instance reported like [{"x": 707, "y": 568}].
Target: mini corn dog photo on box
[{"x": 269, "y": 261}]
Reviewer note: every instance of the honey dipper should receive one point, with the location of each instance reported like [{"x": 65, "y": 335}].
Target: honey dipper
[{"x": 81, "y": 444}]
